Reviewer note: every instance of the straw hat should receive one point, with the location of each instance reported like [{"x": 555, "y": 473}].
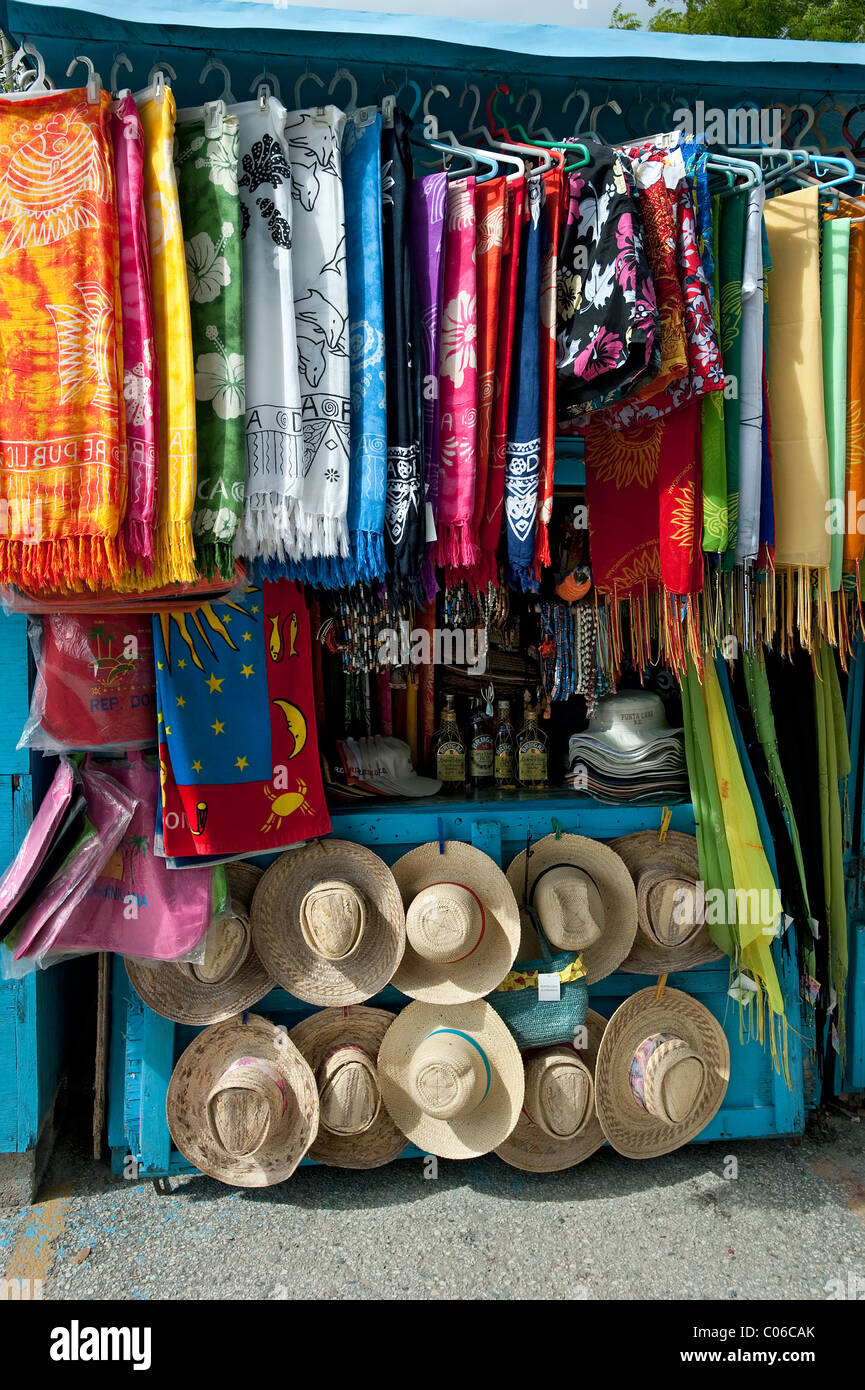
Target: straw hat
[
  {"x": 670, "y": 936},
  {"x": 462, "y": 923},
  {"x": 558, "y": 1127},
  {"x": 661, "y": 1074},
  {"x": 451, "y": 1078},
  {"x": 327, "y": 922},
  {"x": 242, "y": 1104},
  {"x": 230, "y": 979},
  {"x": 584, "y": 897},
  {"x": 341, "y": 1046}
]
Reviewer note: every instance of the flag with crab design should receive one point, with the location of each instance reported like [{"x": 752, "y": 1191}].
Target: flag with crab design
[{"x": 239, "y": 763}]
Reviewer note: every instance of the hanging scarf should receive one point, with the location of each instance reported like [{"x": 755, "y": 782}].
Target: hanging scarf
[
  {"x": 713, "y": 452},
  {"x": 608, "y": 340},
  {"x": 274, "y": 480},
  {"x": 404, "y": 513},
  {"x": 174, "y": 554},
  {"x": 672, "y": 197},
  {"x": 427, "y": 224},
  {"x": 206, "y": 162},
  {"x": 59, "y": 300},
  {"x": 750, "y": 381},
  {"x": 522, "y": 454},
  {"x": 140, "y": 372},
  {"x": 321, "y": 323},
  {"x": 732, "y": 257},
  {"x": 854, "y": 536},
  {"x": 833, "y": 313},
  {"x": 458, "y": 381},
  {"x": 554, "y": 188},
  {"x": 800, "y": 460},
  {"x": 238, "y": 749},
  {"x": 361, "y": 172},
  {"x": 833, "y": 761},
  {"x": 491, "y": 215},
  {"x": 491, "y": 523},
  {"x": 766, "y": 556}
]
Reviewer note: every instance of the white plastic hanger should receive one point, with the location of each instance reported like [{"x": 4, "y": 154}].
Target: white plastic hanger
[
  {"x": 94, "y": 81},
  {"x": 214, "y": 65}
]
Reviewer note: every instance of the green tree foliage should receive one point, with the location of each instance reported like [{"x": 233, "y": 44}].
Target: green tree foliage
[{"x": 842, "y": 21}]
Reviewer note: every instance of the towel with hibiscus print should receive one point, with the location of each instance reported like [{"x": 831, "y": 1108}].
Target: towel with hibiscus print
[
  {"x": 206, "y": 162},
  {"x": 608, "y": 340}
]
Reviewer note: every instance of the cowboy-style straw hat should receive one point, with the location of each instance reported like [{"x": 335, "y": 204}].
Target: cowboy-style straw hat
[
  {"x": 670, "y": 936},
  {"x": 242, "y": 1104},
  {"x": 662, "y": 1072},
  {"x": 328, "y": 922},
  {"x": 558, "y": 1127},
  {"x": 462, "y": 923},
  {"x": 230, "y": 979},
  {"x": 341, "y": 1046},
  {"x": 584, "y": 898},
  {"x": 451, "y": 1078}
]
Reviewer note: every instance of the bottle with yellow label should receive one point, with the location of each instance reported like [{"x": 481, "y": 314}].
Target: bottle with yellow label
[
  {"x": 531, "y": 751},
  {"x": 504, "y": 749},
  {"x": 450, "y": 752}
]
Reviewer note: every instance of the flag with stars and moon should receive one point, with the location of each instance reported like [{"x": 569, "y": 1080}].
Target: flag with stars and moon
[{"x": 238, "y": 748}]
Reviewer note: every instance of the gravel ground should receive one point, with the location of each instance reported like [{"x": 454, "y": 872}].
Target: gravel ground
[{"x": 789, "y": 1224}]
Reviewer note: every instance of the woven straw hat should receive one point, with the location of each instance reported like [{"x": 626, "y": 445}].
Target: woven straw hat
[
  {"x": 670, "y": 935},
  {"x": 451, "y": 1078},
  {"x": 341, "y": 1046},
  {"x": 328, "y": 923},
  {"x": 584, "y": 897},
  {"x": 230, "y": 979},
  {"x": 242, "y": 1104},
  {"x": 661, "y": 1074},
  {"x": 558, "y": 1127},
  {"x": 462, "y": 923}
]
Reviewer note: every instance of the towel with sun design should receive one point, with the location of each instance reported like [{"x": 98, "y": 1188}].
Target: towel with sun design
[{"x": 239, "y": 762}]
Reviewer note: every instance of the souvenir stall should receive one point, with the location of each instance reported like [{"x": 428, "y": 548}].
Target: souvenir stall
[{"x": 432, "y": 491}]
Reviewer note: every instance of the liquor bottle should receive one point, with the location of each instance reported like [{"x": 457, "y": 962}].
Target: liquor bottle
[
  {"x": 480, "y": 747},
  {"x": 531, "y": 751},
  {"x": 503, "y": 747},
  {"x": 450, "y": 752}
]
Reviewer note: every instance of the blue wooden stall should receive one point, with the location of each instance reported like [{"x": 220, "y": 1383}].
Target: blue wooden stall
[{"x": 655, "y": 74}]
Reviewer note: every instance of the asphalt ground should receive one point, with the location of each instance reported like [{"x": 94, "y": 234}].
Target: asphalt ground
[{"x": 790, "y": 1224}]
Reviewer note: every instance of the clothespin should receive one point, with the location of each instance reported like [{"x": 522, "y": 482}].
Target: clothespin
[
  {"x": 557, "y": 827},
  {"x": 661, "y": 986},
  {"x": 666, "y": 817},
  {"x": 441, "y": 835}
]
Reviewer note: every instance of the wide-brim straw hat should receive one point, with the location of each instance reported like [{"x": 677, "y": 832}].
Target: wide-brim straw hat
[
  {"x": 342, "y": 1046},
  {"x": 609, "y": 905},
  {"x": 462, "y": 923},
  {"x": 554, "y": 1100},
  {"x": 451, "y": 1078},
  {"x": 231, "y": 977},
  {"x": 672, "y": 1051},
  {"x": 242, "y": 1104},
  {"x": 328, "y": 923},
  {"x": 660, "y": 871}
]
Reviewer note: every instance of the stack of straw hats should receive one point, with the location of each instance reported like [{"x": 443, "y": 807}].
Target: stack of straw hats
[{"x": 453, "y": 1072}]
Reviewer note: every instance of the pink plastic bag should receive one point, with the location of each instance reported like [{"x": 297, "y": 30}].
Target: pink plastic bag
[
  {"x": 37, "y": 842},
  {"x": 109, "y": 809},
  {"x": 137, "y": 905}
]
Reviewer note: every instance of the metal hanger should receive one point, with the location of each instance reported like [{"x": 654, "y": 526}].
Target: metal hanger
[
  {"x": 344, "y": 75},
  {"x": 121, "y": 61},
  {"x": 214, "y": 65},
  {"x": 94, "y": 81},
  {"x": 299, "y": 84}
]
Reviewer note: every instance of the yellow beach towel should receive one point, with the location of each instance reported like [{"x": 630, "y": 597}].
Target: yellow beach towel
[{"x": 174, "y": 554}]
